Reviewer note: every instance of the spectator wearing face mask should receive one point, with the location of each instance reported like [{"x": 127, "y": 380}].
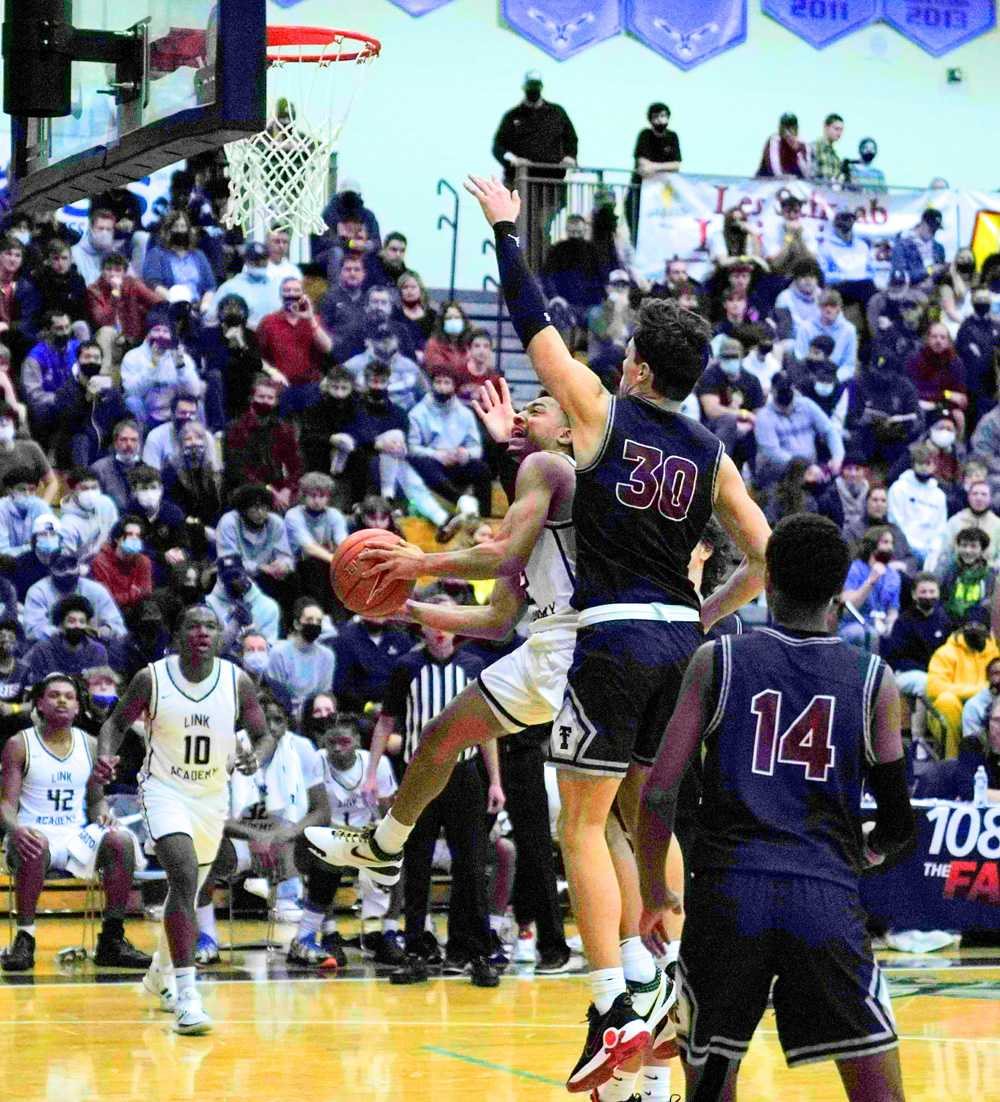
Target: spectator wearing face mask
[
  {"x": 323, "y": 426},
  {"x": 784, "y": 153},
  {"x": 572, "y": 270},
  {"x": 918, "y": 633},
  {"x": 826, "y": 390},
  {"x": 939, "y": 375},
  {"x": 19, "y": 509},
  {"x": 448, "y": 346},
  {"x": 791, "y": 426},
  {"x": 407, "y": 383},
  {"x": 917, "y": 504},
  {"x": 147, "y": 640},
  {"x": 253, "y": 284},
  {"x": 294, "y": 342},
  {"x": 33, "y": 564},
  {"x": 252, "y": 653},
  {"x": 610, "y": 326},
  {"x": 863, "y": 172},
  {"x": 85, "y": 410},
  {"x": 47, "y": 367},
  {"x": 977, "y": 343},
  {"x": 762, "y": 360},
  {"x": 883, "y": 414},
  {"x": 191, "y": 491},
  {"x": 847, "y": 261},
  {"x": 24, "y": 454},
  {"x": 239, "y": 603},
  {"x": 173, "y": 260},
  {"x": 13, "y": 674},
  {"x": 70, "y": 648},
  {"x": 163, "y": 442},
  {"x": 256, "y": 534},
  {"x": 64, "y": 580},
  {"x": 798, "y": 304},
  {"x": 96, "y": 244},
  {"x": 113, "y": 470},
  {"x": 957, "y": 671},
  {"x": 117, "y": 305},
  {"x": 87, "y": 515},
  {"x": 871, "y": 589},
  {"x": 299, "y": 665},
  {"x": 852, "y": 488},
  {"x": 262, "y": 448},
  {"x": 954, "y": 291},
  {"x": 729, "y": 397},
  {"x": 121, "y": 567},
  {"x": 155, "y": 373},
  {"x": 231, "y": 353}
]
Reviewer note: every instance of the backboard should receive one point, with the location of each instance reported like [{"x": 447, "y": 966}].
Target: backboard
[{"x": 203, "y": 85}]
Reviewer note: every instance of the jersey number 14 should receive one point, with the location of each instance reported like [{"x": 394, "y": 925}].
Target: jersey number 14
[{"x": 807, "y": 742}]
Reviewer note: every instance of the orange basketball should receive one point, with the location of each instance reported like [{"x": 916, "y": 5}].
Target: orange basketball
[{"x": 373, "y": 596}]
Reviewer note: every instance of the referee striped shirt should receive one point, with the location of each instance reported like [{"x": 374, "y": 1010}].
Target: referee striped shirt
[{"x": 421, "y": 687}]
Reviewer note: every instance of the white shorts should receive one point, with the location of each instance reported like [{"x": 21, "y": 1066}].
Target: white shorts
[
  {"x": 74, "y": 849},
  {"x": 526, "y": 687},
  {"x": 168, "y": 810}
]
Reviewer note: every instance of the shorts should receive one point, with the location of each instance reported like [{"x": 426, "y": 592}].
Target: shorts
[
  {"x": 526, "y": 687},
  {"x": 745, "y": 930},
  {"x": 74, "y": 849},
  {"x": 168, "y": 810},
  {"x": 621, "y": 689}
]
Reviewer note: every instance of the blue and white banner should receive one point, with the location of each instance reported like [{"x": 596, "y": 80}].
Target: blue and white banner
[
  {"x": 820, "y": 22},
  {"x": 419, "y": 7},
  {"x": 938, "y": 26},
  {"x": 563, "y": 28},
  {"x": 687, "y": 32}
]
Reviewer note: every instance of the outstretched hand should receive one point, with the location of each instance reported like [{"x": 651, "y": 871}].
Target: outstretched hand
[
  {"x": 499, "y": 204},
  {"x": 495, "y": 409}
]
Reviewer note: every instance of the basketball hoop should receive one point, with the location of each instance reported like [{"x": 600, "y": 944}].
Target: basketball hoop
[{"x": 281, "y": 175}]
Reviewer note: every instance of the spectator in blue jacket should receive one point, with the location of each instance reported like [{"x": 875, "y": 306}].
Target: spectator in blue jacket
[
  {"x": 172, "y": 260},
  {"x": 791, "y": 426},
  {"x": 832, "y": 323},
  {"x": 847, "y": 261},
  {"x": 63, "y": 580},
  {"x": 976, "y": 710},
  {"x": 85, "y": 409},
  {"x": 48, "y": 365},
  {"x": 69, "y": 649},
  {"x": 872, "y": 589},
  {"x": 367, "y": 651},
  {"x": 917, "y": 253}
]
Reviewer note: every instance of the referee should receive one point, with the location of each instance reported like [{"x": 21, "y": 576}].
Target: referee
[{"x": 421, "y": 685}]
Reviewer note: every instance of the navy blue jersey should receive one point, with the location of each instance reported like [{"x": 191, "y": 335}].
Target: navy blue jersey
[
  {"x": 641, "y": 506},
  {"x": 786, "y": 748}
]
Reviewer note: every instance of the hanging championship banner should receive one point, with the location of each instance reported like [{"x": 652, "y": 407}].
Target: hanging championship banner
[
  {"x": 938, "y": 26},
  {"x": 687, "y": 32},
  {"x": 417, "y": 7},
  {"x": 563, "y": 28},
  {"x": 820, "y": 22}
]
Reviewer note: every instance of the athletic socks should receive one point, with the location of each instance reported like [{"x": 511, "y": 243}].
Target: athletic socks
[
  {"x": 619, "y": 1088},
  {"x": 497, "y": 923},
  {"x": 390, "y": 836},
  {"x": 637, "y": 961},
  {"x": 290, "y": 889},
  {"x": 654, "y": 1084},
  {"x": 185, "y": 980},
  {"x": 29, "y": 930},
  {"x": 606, "y": 984},
  {"x": 390, "y": 925},
  {"x": 206, "y": 921},
  {"x": 309, "y": 923}
]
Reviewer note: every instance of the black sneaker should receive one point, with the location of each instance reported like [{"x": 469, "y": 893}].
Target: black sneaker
[
  {"x": 483, "y": 973},
  {"x": 116, "y": 951},
  {"x": 426, "y": 947},
  {"x": 498, "y": 955},
  {"x": 20, "y": 957},
  {"x": 413, "y": 971},
  {"x": 389, "y": 950},
  {"x": 558, "y": 960},
  {"x": 455, "y": 964},
  {"x": 611, "y": 1039},
  {"x": 333, "y": 945}
]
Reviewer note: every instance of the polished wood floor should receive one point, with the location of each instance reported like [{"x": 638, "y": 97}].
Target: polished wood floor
[{"x": 68, "y": 1034}]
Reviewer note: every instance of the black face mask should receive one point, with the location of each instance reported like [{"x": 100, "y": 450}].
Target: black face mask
[
  {"x": 231, "y": 319},
  {"x": 976, "y": 640},
  {"x": 60, "y": 340},
  {"x": 89, "y": 370},
  {"x": 868, "y": 155},
  {"x": 883, "y": 557},
  {"x": 65, "y": 582},
  {"x": 310, "y": 632},
  {"x": 926, "y": 604},
  {"x": 189, "y": 594},
  {"x": 180, "y": 239},
  {"x": 982, "y": 309},
  {"x": 965, "y": 269},
  {"x": 532, "y": 95},
  {"x": 922, "y": 476},
  {"x": 659, "y": 127},
  {"x": 148, "y": 629},
  {"x": 377, "y": 399},
  {"x": 783, "y": 395},
  {"x": 237, "y": 588},
  {"x": 74, "y": 636}
]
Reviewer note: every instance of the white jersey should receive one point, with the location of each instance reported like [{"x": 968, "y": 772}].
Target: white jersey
[
  {"x": 54, "y": 790},
  {"x": 550, "y": 575},
  {"x": 191, "y": 727},
  {"x": 343, "y": 787}
]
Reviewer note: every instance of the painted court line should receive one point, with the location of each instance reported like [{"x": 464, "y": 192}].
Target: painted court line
[{"x": 491, "y": 1066}]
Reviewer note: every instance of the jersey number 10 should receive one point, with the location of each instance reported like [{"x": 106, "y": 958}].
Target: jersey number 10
[
  {"x": 808, "y": 742},
  {"x": 197, "y": 749},
  {"x": 669, "y": 482}
]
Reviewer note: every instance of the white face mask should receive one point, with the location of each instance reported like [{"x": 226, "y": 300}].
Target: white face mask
[
  {"x": 88, "y": 499},
  {"x": 824, "y": 390},
  {"x": 102, "y": 239},
  {"x": 149, "y": 499},
  {"x": 942, "y": 438},
  {"x": 453, "y": 326},
  {"x": 6, "y": 432}
]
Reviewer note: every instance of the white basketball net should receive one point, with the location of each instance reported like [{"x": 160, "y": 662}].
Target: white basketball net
[{"x": 281, "y": 175}]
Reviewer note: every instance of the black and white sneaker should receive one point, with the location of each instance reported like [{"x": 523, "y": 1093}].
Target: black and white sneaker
[
  {"x": 550, "y": 964},
  {"x": 388, "y": 950},
  {"x": 455, "y": 964},
  {"x": 20, "y": 956},
  {"x": 413, "y": 971},
  {"x": 653, "y": 1002},
  {"x": 483, "y": 972},
  {"x": 343, "y": 847},
  {"x": 612, "y": 1038}
]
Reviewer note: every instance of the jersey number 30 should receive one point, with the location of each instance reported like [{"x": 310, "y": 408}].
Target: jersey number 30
[
  {"x": 669, "y": 482},
  {"x": 807, "y": 742}
]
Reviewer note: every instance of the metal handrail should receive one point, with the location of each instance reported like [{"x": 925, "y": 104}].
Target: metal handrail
[
  {"x": 489, "y": 283},
  {"x": 444, "y": 220}
]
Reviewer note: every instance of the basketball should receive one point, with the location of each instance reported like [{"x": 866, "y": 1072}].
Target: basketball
[{"x": 369, "y": 596}]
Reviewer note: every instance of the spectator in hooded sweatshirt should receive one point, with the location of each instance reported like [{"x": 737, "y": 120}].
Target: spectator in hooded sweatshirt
[
  {"x": 798, "y": 304},
  {"x": 917, "y": 504},
  {"x": 155, "y": 373},
  {"x": 883, "y": 414},
  {"x": 97, "y": 243},
  {"x": 957, "y": 671},
  {"x": 917, "y": 634},
  {"x": 847, "y": 261},
  {"x": 87, "y": 515},
  {"x": 70, "y": 648},
  {"x": 833, "y": 323}
]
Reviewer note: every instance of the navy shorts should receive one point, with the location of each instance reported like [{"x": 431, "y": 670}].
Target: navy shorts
[
  {"x": 743, "y": 931},
  {"x": 620, "y": 691}
]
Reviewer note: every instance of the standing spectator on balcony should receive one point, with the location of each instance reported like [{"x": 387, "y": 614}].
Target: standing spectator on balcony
[
  {"x": 117, "y": 305},
  {"x": 917, "y": 253},
  {"x": 279, "y": 267},
  {"x": 55, "y": 287},
  {"x": 657, "y": 150},
  {"x": 791, "y": 241},
  {"x": 939, "y": 376},
  {"x": 833, "y": 324},
  {"x": 572, "y": 270},
  {"x": 293, "y": 341},
  {"x": 862, "y": 174},
  {"x": 174, "y": 260},
  {"x": 540, "y": 136},
  {"x": 414, "y": 314},
  {"x": 262, "y": 448},
  {"x": 254, "y": 285},
  {"x": 156, "y": 373},
  {"x": 99, "y": 240},
  {"x": 449, "y": 344},
  {"x": 847, "y": 261},
  {"x": 444, "y": 446},
  {"x": 784, "y": 154},
  {"x": 826, "y": 164},
  {"x": 407, "y": 383}
]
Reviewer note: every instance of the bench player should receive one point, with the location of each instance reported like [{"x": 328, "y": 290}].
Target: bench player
[
  {"x": 648, "y": 479},
  {"x": 794, "y": 721},
  {"x": 193, "y": 703},
  {"x": 55, "y": 817}
]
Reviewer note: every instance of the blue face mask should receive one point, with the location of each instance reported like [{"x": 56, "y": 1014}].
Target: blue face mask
[
  {"x": 104, "y": 700},
  {"x": 730, "y": 365},
  {"x": 256, "y": 275},
  {"x": 131, "y": 545},
  {"x": 47, "y": 545},
  {"x": 824, "y": 390},
  {"x": 255, "y": 661}
]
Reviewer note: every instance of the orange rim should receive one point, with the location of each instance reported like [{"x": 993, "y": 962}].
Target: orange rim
[{"x": 360, "y": 46}]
